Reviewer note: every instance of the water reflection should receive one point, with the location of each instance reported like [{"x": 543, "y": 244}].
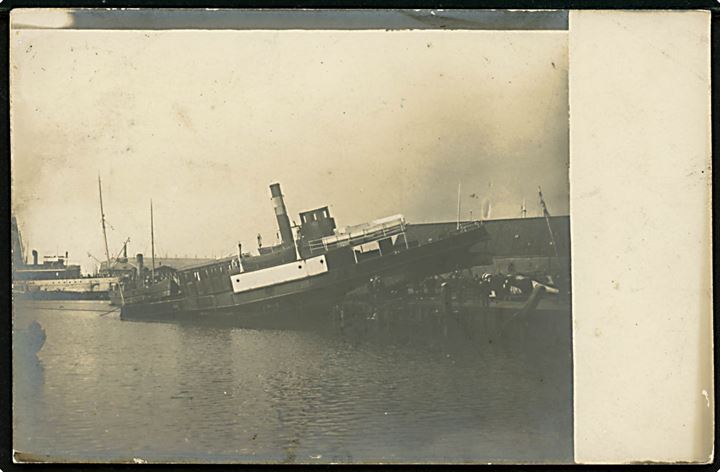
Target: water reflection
[{"x": 365, "y": 382}]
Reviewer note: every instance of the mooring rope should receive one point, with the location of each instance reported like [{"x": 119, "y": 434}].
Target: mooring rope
[{"x": 108, "y": 312}]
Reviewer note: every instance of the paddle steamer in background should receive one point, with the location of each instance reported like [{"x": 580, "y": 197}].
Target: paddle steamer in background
[{"x": 313, "y": 266}]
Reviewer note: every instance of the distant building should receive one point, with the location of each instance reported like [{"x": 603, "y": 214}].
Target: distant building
[
  {"x": 178, "y": 263},
  {"x": 120, "y": 268},
  {"x": 164, "y": 266},
  {"x": 516, "y": 244}
]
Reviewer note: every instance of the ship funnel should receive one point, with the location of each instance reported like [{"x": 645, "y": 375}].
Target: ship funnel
[
  {"x": 286, "y": 234},
  {"x": 141, "y": 277},
  {"x": 18, "y": 251},
  {"x": 35, "y": 257}
]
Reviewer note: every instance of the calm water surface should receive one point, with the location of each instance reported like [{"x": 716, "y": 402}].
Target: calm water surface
[{"x": 393, "y": 387}]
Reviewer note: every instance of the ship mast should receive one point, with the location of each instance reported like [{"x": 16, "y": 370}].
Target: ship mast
[
  {"x": 152, "y": 242},
  {"x": 102, "y": 218}
]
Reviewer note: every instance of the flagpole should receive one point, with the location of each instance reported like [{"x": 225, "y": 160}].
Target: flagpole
[
  {"x": 152, "y": 241},
  {"x": 546, "y": 214},
  {"x": 458, "y": 208}
]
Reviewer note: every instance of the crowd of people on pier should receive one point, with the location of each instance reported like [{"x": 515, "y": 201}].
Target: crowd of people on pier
[{"x": 461, "y": 285}]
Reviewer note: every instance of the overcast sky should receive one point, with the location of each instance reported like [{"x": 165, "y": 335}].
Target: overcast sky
[{"x": 372, "y": 123}]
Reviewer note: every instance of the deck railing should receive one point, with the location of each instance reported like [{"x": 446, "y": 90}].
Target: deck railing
[
  {"x": 469, "y": 225},
  {"x": 357, "y": 237}
]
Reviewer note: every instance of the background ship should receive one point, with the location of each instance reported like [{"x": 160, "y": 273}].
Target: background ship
[
  {"x": 315, "y": 267},
  {"x": 53, "y": 278}
]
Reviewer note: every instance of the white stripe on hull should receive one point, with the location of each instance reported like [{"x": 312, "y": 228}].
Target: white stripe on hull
[
  {"x": 99, "y": 284},
  {"x": 292, "y": 271}
]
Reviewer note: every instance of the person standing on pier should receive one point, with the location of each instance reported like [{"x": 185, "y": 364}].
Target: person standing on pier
[
  {"x": 484, "y": 290},
  {"x": 446, "y": 295}
]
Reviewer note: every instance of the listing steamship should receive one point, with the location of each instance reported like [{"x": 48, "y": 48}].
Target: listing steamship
[{"x": 313, "y": 266}]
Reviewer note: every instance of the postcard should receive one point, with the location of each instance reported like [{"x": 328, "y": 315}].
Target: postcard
[{"x": 364, "y": 236}]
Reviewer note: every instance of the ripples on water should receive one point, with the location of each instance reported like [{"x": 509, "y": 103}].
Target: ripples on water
[{"x": 392, "y": 387}]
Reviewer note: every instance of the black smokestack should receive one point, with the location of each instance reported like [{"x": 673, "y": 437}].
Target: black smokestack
[
  {"x": 35, "y": 256},
  {"x": 286, "y": 234},
  {"x": 140, "y": 269}
]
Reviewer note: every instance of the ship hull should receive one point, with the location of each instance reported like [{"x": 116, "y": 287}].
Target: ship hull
[
  {"x": 287, "y": 313},
  {"x": 61, "y": 295},
  {"x": 317, "y": 294},
  {"x": 91, "y": 288},
  {"x": 120, "y": 295}
]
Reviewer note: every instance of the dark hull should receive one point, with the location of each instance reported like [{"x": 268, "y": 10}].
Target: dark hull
[
  {"x": 297, "y": 312},
  {"x": 315, "y": 294},
  {"x": 124, "y": 295}
]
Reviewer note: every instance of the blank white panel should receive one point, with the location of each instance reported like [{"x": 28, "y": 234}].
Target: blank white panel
[
  {"x": 640, "y": 223},
  {"x": 279, "y": 274}
]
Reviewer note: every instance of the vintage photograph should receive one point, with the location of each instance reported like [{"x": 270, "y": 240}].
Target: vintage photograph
[{"x": 252, "y": 236}]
